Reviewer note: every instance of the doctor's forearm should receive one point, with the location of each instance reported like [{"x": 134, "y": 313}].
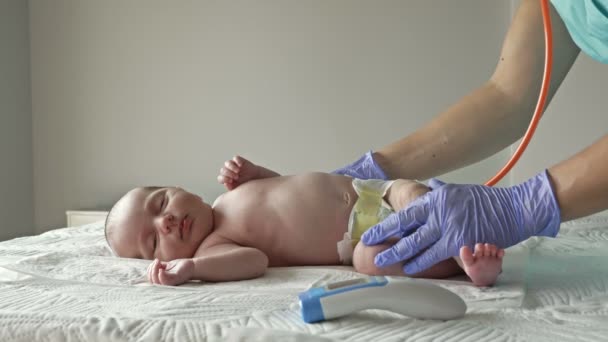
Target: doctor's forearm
[
  {"x": 479, "y": 125},
  {"x": 581, "y": 182},
  {"x": 492, "y": 116}
]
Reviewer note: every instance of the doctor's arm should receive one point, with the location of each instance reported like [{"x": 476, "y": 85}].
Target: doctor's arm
[
  {"x": 493, "y": 116},
  {"x": 485, "y": 121},
  {"x": 580, "y": 183},
  {"x": 440, "y": 222}
]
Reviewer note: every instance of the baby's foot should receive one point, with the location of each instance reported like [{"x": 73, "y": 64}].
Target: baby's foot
[{"x": 483, "y": 266}]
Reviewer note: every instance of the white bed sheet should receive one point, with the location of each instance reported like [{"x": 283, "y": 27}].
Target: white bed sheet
[{"x": 64, "y": 285}]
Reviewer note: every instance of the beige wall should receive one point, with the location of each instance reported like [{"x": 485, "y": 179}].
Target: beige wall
[
  {"x": 16, "y": 203},
  {"x": 127, "y": 93}
]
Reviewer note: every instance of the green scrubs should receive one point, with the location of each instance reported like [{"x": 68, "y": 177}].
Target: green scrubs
[{"x": 587, "y": 22}]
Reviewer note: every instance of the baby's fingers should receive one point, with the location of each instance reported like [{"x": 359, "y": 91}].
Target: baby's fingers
[
  {"x": 224, "y": 179},
  {"x": 226, "y": 173},
  {"x": 240, "y": 161},
  {"x": 232, "y": 166},
  {"x": 229, "y": 183},
  {"x": 166, "y": 278},
  {"x": 153, "y": 271}
]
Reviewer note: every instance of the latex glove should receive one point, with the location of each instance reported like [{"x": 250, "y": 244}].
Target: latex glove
[
  {"x": 363, "y": 168},
  {"x": 452, "y": 216},
  {"x": 170, "y": 273}
]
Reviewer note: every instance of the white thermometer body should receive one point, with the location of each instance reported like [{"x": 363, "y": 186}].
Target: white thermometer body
[{"x": 411, "y": 297}]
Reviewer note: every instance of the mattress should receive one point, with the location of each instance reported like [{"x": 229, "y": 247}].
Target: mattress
[{"x": 64, "y": 285}]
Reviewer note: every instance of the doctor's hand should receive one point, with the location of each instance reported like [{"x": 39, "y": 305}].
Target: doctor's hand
[
  {"x": 434, "y": 226},
  {"x": 170, "y": 273}
]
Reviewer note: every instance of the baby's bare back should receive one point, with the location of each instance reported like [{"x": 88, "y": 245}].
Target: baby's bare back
[{"x": 295, "y": 220}]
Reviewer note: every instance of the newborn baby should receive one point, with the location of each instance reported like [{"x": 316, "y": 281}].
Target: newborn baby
[{"x": 270, "y": 220}]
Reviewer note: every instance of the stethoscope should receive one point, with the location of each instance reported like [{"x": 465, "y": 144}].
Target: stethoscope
[{"x": 542, "y": 97}]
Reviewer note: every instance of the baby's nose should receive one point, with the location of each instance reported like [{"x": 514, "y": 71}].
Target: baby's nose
[{"x": 168, "y": 223}]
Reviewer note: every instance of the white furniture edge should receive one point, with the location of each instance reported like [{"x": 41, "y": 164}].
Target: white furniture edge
[{"x": 81, "y": 217}]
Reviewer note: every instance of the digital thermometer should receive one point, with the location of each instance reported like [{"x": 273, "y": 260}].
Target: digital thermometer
[{"x": 411, "y": 297}]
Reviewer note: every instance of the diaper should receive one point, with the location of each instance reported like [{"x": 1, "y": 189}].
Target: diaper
[{"x": 369, "y": 210}]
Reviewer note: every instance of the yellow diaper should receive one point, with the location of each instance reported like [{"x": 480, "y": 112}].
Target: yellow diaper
[{"x": 370, "y": 209}]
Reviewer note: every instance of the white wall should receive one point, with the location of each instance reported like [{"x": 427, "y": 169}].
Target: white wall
[
  {"x": 16, "y": 202},
  {"x": 127, "y": 93}
]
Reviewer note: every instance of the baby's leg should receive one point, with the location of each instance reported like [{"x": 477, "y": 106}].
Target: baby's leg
[
  {"x": 483, "y": 267},
  {"x": 403, "y": 192},
  {"x": 363, "y": 261},
  {"x": 399, "y": 196}
]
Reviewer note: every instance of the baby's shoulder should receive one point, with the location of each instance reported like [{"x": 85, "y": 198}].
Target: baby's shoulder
[
  {"x": 214, "y": 239},
  {"x": 211, "y": 240},
  {"x": 222, "y": 234},
  {"x": 218, "y": 200}
]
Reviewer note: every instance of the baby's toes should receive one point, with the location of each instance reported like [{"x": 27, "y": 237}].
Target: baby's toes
[
  {"x": 479, "y": 250},
  {"x": 500, "y": 253},
  {"x": 466, "y": 256},
  {"x": 491, "y": 250}
]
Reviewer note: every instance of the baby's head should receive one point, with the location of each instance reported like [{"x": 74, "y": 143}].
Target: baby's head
[{"x": 158, "y": 222}]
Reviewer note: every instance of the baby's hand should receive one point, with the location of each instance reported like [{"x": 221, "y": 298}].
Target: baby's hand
[
  {"x": 171, "y": 273},
  {"x": 237, "y": 171}
]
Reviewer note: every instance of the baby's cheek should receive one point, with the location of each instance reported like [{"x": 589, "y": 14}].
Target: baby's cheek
[
  {"x": 184, "y": 251},
  {"x": 170, "y": 252}
]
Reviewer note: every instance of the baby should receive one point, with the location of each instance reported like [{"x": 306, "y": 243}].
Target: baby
[{"x": 270, "y": 220}]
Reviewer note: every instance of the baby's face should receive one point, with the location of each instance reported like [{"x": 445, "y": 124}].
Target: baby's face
[{"x": 163, "y": 223}]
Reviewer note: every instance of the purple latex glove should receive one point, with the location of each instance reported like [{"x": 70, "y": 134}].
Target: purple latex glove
[
  {"x": 451, "y": 216},
  {"x": 364, "y": 168}
]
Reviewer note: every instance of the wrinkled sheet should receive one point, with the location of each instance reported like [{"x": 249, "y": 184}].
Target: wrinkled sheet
[{"x": 65, "y": 285}]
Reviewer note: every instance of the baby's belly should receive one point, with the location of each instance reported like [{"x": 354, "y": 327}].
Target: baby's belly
[{"x": 304, "y": 217}]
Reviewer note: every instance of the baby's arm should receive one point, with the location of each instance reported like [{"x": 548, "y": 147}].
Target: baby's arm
[
  {"x": 239, "y": 170},
  {"x": 224, "y": 262},
  {"x": 228, "y": 262}
]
